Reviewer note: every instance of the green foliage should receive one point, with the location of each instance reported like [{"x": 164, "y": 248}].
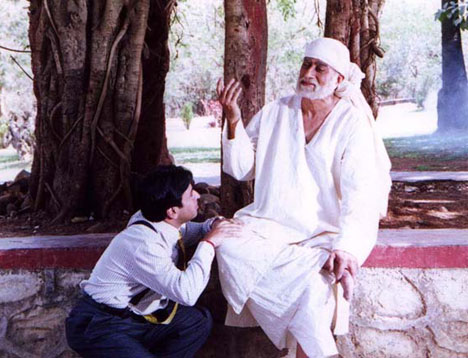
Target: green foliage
[
  {"x": 196, "y": 155},
  {"x": 457, "y": 11},
  {"x": 16, "y": 89},
  {"x": 187, "y": 114},
  {"x": 196, "y": 44},
  {"x": 287, "y": 8},
  {"x": 197, "y": 49},
  {"x": 411, "y": 67},
  {"x": 3, "y": 131}
]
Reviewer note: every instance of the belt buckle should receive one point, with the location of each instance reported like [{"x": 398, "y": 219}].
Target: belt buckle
[{"x": 152, "y": 317}]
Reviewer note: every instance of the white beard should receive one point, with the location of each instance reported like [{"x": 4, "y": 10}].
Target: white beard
[{"x": 318, "y": 92}]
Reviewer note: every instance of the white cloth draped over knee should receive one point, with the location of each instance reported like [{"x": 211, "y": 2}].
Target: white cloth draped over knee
[{"x": 310, "y": 198}]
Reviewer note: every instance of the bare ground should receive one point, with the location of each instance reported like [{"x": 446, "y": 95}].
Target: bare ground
[{"x": 428, "y": 204}]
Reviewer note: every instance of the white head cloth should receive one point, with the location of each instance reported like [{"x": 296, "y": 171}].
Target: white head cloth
[{"x": 336, "y": 55}]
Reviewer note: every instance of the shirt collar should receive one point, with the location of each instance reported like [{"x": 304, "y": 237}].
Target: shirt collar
[{"x": 169, "y": 231}]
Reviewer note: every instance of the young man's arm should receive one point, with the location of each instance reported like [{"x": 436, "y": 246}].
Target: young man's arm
[
  {"x": 153, "y": 266},
  {"x": 193, "y": 232}
]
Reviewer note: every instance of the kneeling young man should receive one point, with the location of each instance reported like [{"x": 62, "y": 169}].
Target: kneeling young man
[{"x": 139, "y": 299}]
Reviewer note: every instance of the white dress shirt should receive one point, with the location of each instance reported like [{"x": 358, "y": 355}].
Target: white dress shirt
[{"x": 138, "y": 258}]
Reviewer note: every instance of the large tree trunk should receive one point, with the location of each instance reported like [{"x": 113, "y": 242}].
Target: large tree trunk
[
  {"x": 88, "y": 81},
  {"x": 355, "y": 23},
  {"x": 452, "y": 104},
  {"x": 244, "y": 59}
]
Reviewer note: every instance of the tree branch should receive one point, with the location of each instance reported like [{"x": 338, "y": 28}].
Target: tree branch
[
  {"x": 13, "y": 50},
  {"x": 17, "y": 63}
]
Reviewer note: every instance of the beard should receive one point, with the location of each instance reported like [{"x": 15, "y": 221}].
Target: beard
[{"x": 318, "y": 92}]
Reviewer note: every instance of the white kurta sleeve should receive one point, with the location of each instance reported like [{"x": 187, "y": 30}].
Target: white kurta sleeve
[
  {"x": 239, "y": 153},
  {"x": 360, "y": 190}
]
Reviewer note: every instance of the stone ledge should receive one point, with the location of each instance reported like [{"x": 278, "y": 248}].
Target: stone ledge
[{"x": 435, "y": 248}]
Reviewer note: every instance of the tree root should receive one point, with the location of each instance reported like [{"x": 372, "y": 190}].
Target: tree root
[
  {"x": 97, "y": 114},
  {"x": 78, "y": 120},
  {"x": 52, "y": 195}
]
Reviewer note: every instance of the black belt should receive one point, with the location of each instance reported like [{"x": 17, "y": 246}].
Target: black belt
[{"x": 161, "y": 314}]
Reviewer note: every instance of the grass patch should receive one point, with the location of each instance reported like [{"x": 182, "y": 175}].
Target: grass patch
[
  {"x": 9, "y": 158},
  {"x": 423, "y": 168},
  {"x": 196, "y": 155},
  {"x": 441, "y": 148}
]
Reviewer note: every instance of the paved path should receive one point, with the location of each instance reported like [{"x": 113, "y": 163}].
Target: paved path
[{"x": 422, "y": 176}]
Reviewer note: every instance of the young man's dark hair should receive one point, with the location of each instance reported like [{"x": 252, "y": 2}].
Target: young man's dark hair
[{"x": 162, "y": 189}]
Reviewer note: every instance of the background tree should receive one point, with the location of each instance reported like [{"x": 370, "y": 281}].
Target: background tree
[
  {"x": 452, "y": 104},
  {"x": 97, "y": 66},
  {"x": 356, "y": 24},
  {"x": 245, "y": 58}
]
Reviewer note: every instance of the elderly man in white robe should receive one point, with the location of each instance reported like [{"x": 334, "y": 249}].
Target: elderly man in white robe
[{"x": 321, "y": 184}]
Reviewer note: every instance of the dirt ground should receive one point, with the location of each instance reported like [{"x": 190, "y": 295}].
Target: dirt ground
[
  {"x": 428, "y": 205},
  {"x": 428, "y": 163}
]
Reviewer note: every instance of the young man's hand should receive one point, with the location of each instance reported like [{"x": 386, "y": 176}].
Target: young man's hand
[{"x": 224, "y": 229}]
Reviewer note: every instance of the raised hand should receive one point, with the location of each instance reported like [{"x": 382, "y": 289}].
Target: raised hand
[{"x": 228, "y": 96}]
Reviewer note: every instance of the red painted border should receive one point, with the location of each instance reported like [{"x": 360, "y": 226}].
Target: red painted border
[
  {"x": 381, "y": 256},
  {"x": 72, "y": 258},
  {"x": 419, "y": 257}
]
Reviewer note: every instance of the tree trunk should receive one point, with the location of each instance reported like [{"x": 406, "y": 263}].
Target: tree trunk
[
  {"x": 88, "y": 81},
  {"x": 355, "y": 23},
  {"x": 151, "y": 150},
  {"x": 244, "y": 59},
  {"x": 452, "y": 103}
]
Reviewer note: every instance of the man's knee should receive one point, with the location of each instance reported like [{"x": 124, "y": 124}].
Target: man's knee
[{"x": 205, "y": 320}]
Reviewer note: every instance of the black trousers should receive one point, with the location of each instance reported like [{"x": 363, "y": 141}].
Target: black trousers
[{"x": 95, "y": 333}]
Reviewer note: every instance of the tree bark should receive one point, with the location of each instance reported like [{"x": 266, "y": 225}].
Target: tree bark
[
  {"x": 244, "y": 59},
  {"x": 88, "y": 81},
  {"x": 452, "y": 102},
  {"x": 151, "y": 150},
  {"x": 355, "y": 23}
]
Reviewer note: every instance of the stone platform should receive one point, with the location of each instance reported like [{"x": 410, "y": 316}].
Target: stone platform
[{"x": 411, "y": 299}]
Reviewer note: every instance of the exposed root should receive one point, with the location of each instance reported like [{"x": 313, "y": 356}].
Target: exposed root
[
  {"x": 97, "y": 114},
  {"x": 51, "y": 120},
  {"x": 107, "y": 158},
  {"x": 78, "y": 120},
  {"x": 52, "y": 195}
]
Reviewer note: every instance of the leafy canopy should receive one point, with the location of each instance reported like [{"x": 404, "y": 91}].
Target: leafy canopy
[{"x": 457, "y": 11}]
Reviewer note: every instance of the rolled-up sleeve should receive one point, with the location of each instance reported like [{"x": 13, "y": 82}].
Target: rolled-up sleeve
[{"x": 239, "y": 153}]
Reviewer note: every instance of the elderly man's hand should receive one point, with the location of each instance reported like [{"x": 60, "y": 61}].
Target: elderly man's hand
[
  {"x": 345, "y": 266},
  {"x": 228, "y": 96}
]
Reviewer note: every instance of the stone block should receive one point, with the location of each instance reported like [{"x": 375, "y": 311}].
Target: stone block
[
  {"x": 385, "y": 344},
  {"x": 71, "y": 280},
  {"x": 38, "y": 330},
  {"x": 17, "y": 286},
  {"x": 387, "y": 294},
  {"x": 451, "y": 336},
  {"x": 450, "y": 288}
]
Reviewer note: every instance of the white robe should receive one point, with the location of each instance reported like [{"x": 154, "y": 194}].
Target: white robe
[{"x": 310, "y": 198}]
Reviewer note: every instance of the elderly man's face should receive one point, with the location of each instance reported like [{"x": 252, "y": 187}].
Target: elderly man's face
[{"x": 317, "y": 80}]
